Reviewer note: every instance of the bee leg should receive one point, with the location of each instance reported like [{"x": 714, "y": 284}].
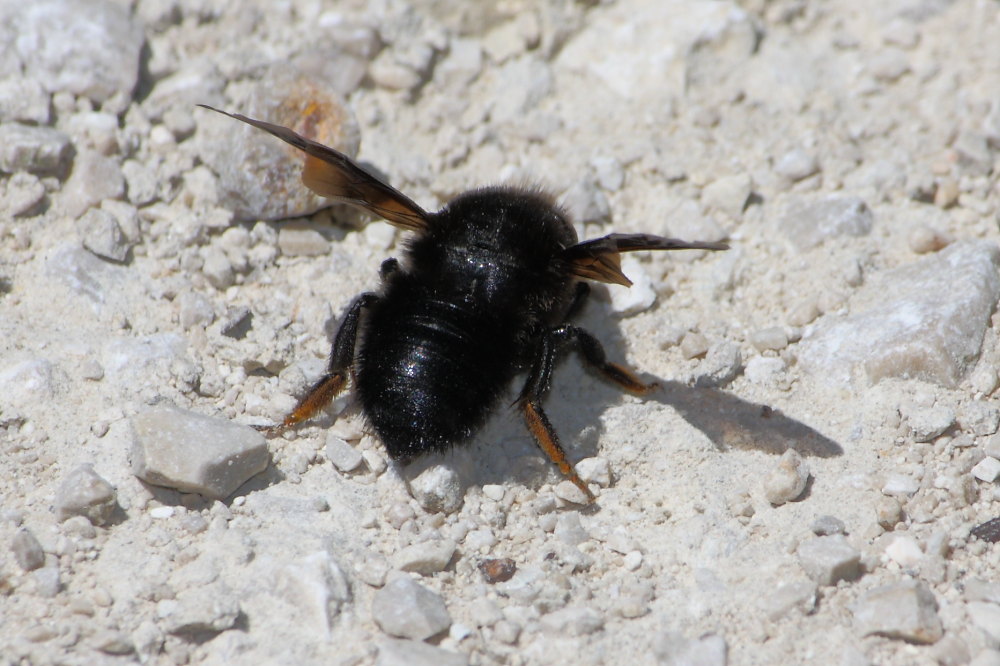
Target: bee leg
[
  {"x": 341, "y": 360},
  {"x": 540, "y": 378},
  {"x": 534, "y": 416}
]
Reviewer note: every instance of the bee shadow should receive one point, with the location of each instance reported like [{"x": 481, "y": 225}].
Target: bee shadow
[{"x": 504, "y": 449}]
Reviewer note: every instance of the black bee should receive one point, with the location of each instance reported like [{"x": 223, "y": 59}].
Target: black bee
[{"x": 485, "y": 291}]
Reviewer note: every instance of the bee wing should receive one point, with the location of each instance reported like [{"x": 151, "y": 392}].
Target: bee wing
[
  {"x": 330, "y": 173},
  {"x": 600, "y": 258}
]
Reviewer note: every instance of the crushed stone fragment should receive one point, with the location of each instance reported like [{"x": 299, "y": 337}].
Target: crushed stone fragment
[
  {"x": 905, "y": 610},
  {"x": 406, "y": 609},
  {"x": 85, "y": 493}
]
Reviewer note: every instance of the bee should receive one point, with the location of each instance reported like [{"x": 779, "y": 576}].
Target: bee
[{"x": 486, "y": 290}]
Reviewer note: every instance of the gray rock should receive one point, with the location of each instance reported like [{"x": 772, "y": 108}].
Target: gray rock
[
  {"x": 829, "y": 559},
  {"x": 806, "y": 224},
  {"x": 797, "y": 164},
  {"x": 827, "y": 525},
  {"x": 208, "y": 608},
  {"x": 24, "y": 99},
  {"x": 979, "y": 418},
  {"x": 194, "y": 453},
  {"x": 769, "y": 339},
  {"x": 573, "y": 621},
  {"x": 395, "y": 652},
  {"x": 301, "y": 239},
  {"x": 788, "y": 597},
  {"x": 25, "y": 194},
  {"x": 87, "y": 47},
  {"x": 407, "y": 609},
  {"x": 317, "y": 586},
  {"x": 94, "y": 178},
  {"x": 675, "y": 650},
  {"x": 100, "y": 233},
  {"x": 728, "y": 194},
  {"x": 924, "y": 320},
  {"x": 569, "y": 530},
  {"x": 47, "y": 581},
  {"x": 721, "y": 365},
  {"x": 35, "y": 149},
  {"x": 344, "y": 457},
  {"x": 243, "y": 157},
  {"x": 905, "y": 610},
  {"x": 27, "y": 551},
  {"x": 926, "y": 422},
  {"x": 194, "y": 309},
  {"x": 141, "y": 182},
  {"x": 85, "y": 493},
  {"x": 787, "y": 480},
  {"x": 426, "y": 557},
  {"x": 438, "y": 489}
]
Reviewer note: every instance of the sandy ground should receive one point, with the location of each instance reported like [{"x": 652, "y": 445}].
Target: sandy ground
[{"x": 136, "y": 273}]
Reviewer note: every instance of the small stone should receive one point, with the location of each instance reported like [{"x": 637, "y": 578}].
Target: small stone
[
  {"x": 207, "y": 608},
  {"x": 301, "y": 239},
  {"x": 769, "y": 339},
  {"x": 987, "y": 469},
  {"x": 569, "y": 530},
  {"x": 888, "y": 512},
  {"x": 24, "y": 99},
  {"x": 787, "y": 597},
  {"x": 570, "y": 492},
  {"x": 889, "y": 65},
  {"x": 573, "y": 621},
  {"x": 827, "y": 525},
  {"x": 39, "y": 150},
  {"x": 632, "y": 560},
  {"x": 94, "y": 178},
  {"x": 85, "y": 493},
  {"x": 905, "y": 610},
  {"x": 924, "y": 240},
  {"x": 217, "y": 268},
  {"x": 594, "y": 470},
  {"x": 194, "y": 309},
  {"x": 946, "y": 194},
  {"x": 438, "y": 489},
  {"x": 722, "y": 364},
  {"x": 25, "y": 194},
  {"x": 927, "y": 423},
  {"x": 986, "y": 616},
  {"x": 829, "y": 559},
  {"x": 406, "y": 609},
  {"x": 979, "y": 418},
  {"x": 498, "y": 570},
  {"x": 904, "y": 551},
  {"x": 47, "y": 580},
  {"x": 694, "y": 345},
  {"x": 675, "y": 650},
  {"x": 194, "y": 453},
  {"x": 796, "y": 165},
  {"x": 27, "y": 551},
  {"x": 764, "y": 370},
  {"x": 804, "y": 313},
  {"x": 425, "y": 558},
  {"x": 101, "y": 234},
  {"x": 809, "y": 223},
  {"x": 899, "y": 484},
  {"x": 112, "y": 642},
  {"x": 395, "y": 652},
  {"x": 787, "y": 481},
  {"x": 344, "y": 457},
  {"x": 372, "y": 570},
  {"x": 316, "y": 585},
  {"x": 493, "y": 492},
  {"x": 728, "y": 194},
  {"x": 507, "y": 632}
]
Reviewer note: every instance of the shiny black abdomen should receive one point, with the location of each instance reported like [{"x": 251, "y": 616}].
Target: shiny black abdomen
[{"x": 430, "y": 372}]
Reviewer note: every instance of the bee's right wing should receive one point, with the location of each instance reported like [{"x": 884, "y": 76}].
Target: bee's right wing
[
  {"x": 330, "y": 173},
  {"x": 600, "y": 258}
]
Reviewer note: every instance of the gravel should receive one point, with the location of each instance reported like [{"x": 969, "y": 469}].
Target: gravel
[{"x": 158, "y": 258}]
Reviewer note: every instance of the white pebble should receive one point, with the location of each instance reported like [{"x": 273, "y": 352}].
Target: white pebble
[
  {"x": 788, "y": 480},
  {"x": 987, "y": 469}
]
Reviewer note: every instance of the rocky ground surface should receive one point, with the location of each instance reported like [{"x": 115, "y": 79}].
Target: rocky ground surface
[{"x": 802, "y": 489}]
